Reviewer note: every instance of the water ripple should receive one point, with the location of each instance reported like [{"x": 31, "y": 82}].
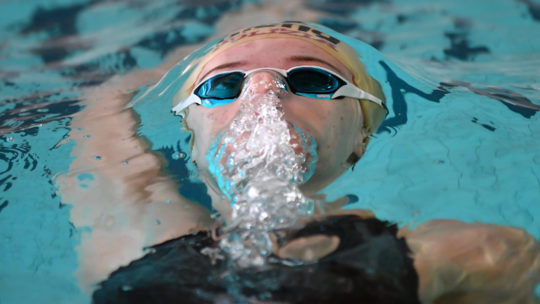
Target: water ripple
[{"x": 15, "y": 156}]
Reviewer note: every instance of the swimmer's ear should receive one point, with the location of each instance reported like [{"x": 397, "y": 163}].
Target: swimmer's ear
[
  {"x": 360, "y": 146},
  {"x": 362, "y": 141}
]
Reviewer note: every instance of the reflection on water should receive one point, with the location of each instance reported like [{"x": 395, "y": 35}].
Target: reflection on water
[{"x": 86, "y": 183}]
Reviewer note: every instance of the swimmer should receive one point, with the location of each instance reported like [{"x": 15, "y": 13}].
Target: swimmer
[
  {"x": 325, "y": 91},
  {"x": 262, "y": 72}
]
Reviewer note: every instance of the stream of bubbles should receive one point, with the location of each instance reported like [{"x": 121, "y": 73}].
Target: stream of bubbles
[{"x": 259, "y": 163}]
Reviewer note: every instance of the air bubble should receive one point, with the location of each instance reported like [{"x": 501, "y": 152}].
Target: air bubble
[{"x": 261, "y": 177}]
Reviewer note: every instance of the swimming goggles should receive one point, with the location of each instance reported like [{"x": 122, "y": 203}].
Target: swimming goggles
[{"x": 310, "y": 81}]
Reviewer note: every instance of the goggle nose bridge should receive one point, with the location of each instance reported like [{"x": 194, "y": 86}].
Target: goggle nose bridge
[{"x": 283, "y": 84}]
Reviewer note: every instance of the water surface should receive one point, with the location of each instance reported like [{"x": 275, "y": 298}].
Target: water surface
[{"x": 461, "y": 140}]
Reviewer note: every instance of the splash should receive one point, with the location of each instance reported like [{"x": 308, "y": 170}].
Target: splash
[{"x": 259, "y": 164}]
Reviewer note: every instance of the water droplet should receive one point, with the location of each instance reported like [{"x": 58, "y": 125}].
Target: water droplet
[
  {"x": 86, "y": 136},
  {"x": 126, "y": 287},
  {"x": 178, "y": 155},
  {"x": 158, "y": 222},
  {"x": 97, "y": 157},
  {"x": 149, "y": 250},
  {"x": 125, "y": 162},
  {"x": 168, "y": 202}
]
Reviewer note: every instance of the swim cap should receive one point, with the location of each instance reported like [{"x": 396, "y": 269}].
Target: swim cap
[{"x": 348, "y": 56}]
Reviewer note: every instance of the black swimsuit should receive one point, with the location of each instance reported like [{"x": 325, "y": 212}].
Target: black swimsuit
[{"x": 370, "y": 265}]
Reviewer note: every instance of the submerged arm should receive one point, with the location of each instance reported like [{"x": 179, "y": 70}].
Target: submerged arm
[
  {"x": 459, "y": 262},
  {"x": 120, "y": 199}
]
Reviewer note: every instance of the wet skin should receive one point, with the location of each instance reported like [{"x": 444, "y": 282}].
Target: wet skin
[{"x": 335, "y": 124}]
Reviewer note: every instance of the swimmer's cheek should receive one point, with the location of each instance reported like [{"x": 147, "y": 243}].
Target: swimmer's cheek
[{"x": 474, "y": 263}]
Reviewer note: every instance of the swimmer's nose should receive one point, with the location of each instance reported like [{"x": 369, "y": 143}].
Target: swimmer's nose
[{"x": 263, "y": 82}]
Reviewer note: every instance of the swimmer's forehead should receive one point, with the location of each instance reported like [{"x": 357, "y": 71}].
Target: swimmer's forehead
[{"x": 282, "y": 53}]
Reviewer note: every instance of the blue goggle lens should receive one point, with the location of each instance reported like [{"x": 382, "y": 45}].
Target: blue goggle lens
[
  {"x": 223, "y": 86},
  {"x": 312, "y": 81}
]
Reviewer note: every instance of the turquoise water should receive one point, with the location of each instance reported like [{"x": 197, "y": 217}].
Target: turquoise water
[{"x": 461, "y": 140}]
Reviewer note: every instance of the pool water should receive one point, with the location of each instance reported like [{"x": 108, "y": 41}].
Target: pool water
[{"x": 461, "y": 141}]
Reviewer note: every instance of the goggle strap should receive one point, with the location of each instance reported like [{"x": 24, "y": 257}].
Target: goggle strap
[
  {"x": 186, "y": 103},
  {"x": 350, "y": 90}
]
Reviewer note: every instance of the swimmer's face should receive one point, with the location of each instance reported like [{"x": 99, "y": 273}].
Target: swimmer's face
[{"x": 335, "y": 124}]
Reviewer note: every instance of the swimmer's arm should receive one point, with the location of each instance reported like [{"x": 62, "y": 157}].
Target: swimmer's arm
[
  {"x": 128, "y": 203},
  {"x": 474, "y": 263}
]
